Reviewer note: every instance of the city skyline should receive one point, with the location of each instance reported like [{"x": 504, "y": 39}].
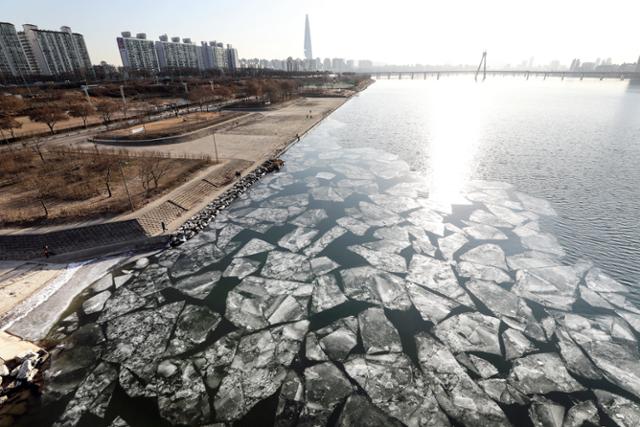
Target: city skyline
[{"x": 414, "y": 32}]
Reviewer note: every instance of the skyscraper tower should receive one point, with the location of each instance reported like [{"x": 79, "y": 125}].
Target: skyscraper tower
[{"x": 308, "y": 53}]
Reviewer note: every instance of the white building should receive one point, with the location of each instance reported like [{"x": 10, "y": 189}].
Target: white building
[
  {"x": 138, "y": 53},
  {"x": 13, "y": 60},
  {"x": 53, "y": 53},
  {"x": 233, "y": 62},
  {"x": 213, "y": 55},
  {"x": 174, "y": 55}
]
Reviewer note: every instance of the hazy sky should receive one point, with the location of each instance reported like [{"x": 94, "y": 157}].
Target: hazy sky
[{"x": 393, "y": 31}]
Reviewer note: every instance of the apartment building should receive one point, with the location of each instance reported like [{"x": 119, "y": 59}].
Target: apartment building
[
  {"x": 13, "y": 61},
  {"x": 138, "y": 53},
  {"x": 42, "y": 52}
]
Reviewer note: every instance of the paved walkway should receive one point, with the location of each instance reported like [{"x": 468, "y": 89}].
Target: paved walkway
[{"x": 241, "y": 147}]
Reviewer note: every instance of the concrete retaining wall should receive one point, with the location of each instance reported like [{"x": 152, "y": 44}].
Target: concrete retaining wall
[{"x": 81, "y": 240}]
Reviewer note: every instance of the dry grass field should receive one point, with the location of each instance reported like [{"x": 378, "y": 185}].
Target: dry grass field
[{"x": 39, "y": 186}]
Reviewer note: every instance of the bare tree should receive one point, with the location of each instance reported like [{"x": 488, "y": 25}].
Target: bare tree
[
  {"x": 10, "y": 107},
  {"x": 107, "y": 108},
  {"x": 151, "y": 171},
  {"x": 49, "y": 114},
  {"x": 199, "y": 95},
  {"x": 9, "y": 123},
  {"x": 81, "y": 109}
]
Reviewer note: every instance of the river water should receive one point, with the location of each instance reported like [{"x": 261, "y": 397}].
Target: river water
[
  {"x": 433, "y": 253},
  {"x": 574, "y": 143}
]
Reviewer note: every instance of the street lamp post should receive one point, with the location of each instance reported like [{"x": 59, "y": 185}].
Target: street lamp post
[{"x": 215, "y": 147}]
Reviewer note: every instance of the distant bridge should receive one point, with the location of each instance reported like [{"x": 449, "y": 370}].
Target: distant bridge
[{"x": 418, "y": 75}]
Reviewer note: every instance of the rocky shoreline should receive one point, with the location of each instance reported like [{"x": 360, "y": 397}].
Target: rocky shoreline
[{"x": 199, "y": 221}]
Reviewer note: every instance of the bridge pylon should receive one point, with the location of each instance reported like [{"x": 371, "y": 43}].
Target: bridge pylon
[{"x": 483, "y": 65}]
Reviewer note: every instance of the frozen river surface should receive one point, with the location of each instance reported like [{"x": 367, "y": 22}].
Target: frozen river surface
[{"x": 357, "y": 287}]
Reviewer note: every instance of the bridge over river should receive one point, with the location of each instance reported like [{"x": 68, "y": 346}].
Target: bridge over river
[{"x": 415, "y": 75}]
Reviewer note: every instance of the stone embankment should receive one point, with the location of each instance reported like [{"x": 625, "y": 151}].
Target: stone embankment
[{"x": 198, "y": 222}]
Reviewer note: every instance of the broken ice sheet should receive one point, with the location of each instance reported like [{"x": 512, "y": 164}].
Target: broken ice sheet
[
  {"x": 313, "y": 351},
  {"x": 359, "y": 411},
  {"x": 298, "y": 239},
  {"x": 512, "y": 309},
  {"x": 356, "y": 227},
  {"x": 432, "y": 307},
  {"x": 137, "y": 339},
  {"x": 257, "y": 302},
  {"x": 93, "y": 395},
  {"x": 325, "y": 175},
  {"x": 553, "y": 287},
  {"x": 470, "y": 332},
  {"x": 484, "y": 232},
  {"x": 388, "y": 246},
  {"x": 481, "y": 272},
  {"x": 506, "y": 214},
  {"x": 368, "y": 284},
  {"x": 287, "y": 266},
  {"x": 325, "y": 194},
  {"x": 484, "y": 217},
  {"x": 542, "y": 373},
  {"x": 310, "y": 218},
  {"x": 376, "y": 216},
  {"x": 395, "y": 203},
  {"x": 543, "y": 242},
  {"x": 301, "y": 199},
  {"x": 451, "y": 244},
  {"x": 323, "y": 265},
  {"x": 397, "y": 388},
  {"x": 253, "y": 247},
  {"x": 545, "y": 412},
  {"x": 477, "y": 365},
  {"x": 258, "y": 369},
  {"x": 487, "y": 254},
  {"x": 500, "y": 390},
  {"x": 198, "y": 286},
  {"x": 272, "y": 215},
  {"x": 539, "y": 206},
  {"x": 459, "y": 396},
  {"x": 95, "y": 303},
  {"x": 197, "y": 259},
  {"x": 325, "y": 387},
  {"x": 623, "y": 412},
  {"x": 530, "y": 260},
  {"x": 193, "y": 326},
  {"x": 383, "y": 260},
  {"x": 583, "y": 413},
  {"x": 326, "y": 294},
  {"x": 241, "y": 267},
  {"x": 338, "y": 338},
  {"x": 377, "y": 332},
  {"x": 516, "y": 344},
  {"x": 437, "y": 275},
  {"x": 325, "y": 240}
]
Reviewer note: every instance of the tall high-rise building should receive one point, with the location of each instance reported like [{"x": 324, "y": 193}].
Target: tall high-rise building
[
  {"x": 138, "y": 53},
  {"x": 175, "y": 54},
  {"x": 53, "y": 53},
  {"x": 213, "y": 55},
  {"x": 13, "y": 61},
  {"x": 233, "y": 62},
  {"x": 308, "y": 52}
]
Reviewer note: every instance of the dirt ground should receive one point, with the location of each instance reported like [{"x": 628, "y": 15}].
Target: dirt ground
[
  {"x": 68, "y": 185},
  {"x": 173, "y": 125}
]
